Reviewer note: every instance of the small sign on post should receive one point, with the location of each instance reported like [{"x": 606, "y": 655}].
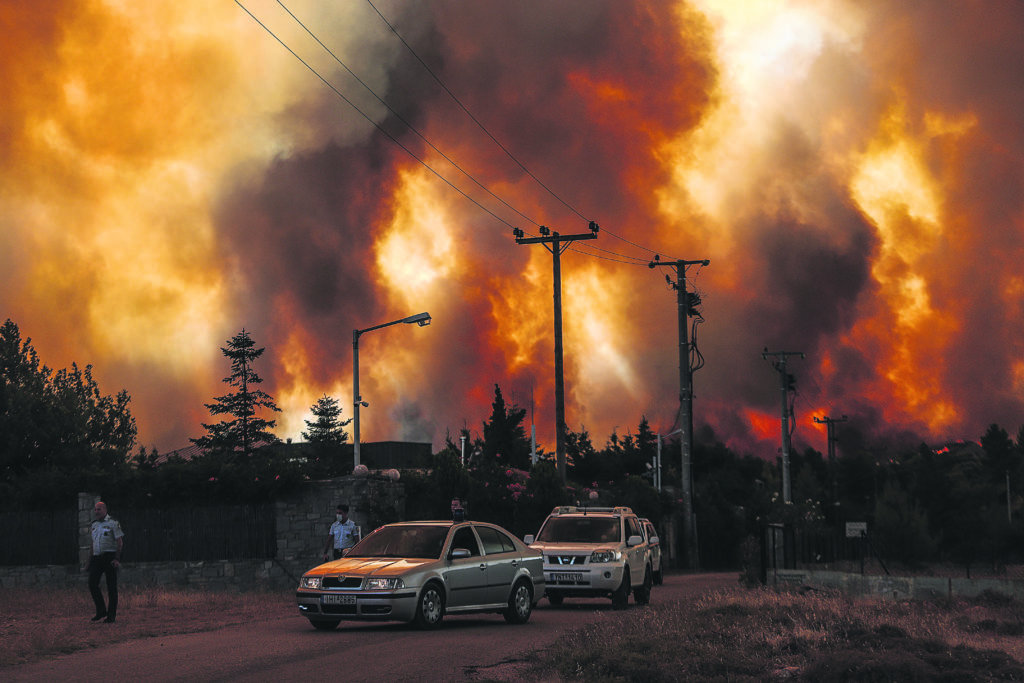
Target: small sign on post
[{"x": 856, "y": 529}]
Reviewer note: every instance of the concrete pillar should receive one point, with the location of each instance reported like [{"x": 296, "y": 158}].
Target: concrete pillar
[{"x": 86, "y": 503}]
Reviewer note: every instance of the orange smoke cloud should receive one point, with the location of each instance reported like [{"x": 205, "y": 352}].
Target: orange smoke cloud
[{"x": 173, "y": 174}]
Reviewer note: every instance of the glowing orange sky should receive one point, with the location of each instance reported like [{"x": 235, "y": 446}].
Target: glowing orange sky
[{"x": 171, "y": 174}]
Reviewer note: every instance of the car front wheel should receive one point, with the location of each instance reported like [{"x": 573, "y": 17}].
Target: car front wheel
[
  {"x": 520, "y": 604},
  {"x": 430, "y": 609}
]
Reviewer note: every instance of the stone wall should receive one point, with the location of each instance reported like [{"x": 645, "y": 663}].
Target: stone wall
[
  {"x": 302, "y": 524},
  {"x": 303, "y": 521}
]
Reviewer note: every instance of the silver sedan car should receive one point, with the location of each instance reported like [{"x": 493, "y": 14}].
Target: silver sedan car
[{"x": 420, "y": 571}]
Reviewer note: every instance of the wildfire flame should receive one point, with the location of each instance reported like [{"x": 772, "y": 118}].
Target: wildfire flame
[{"x": 173, "y": 173}]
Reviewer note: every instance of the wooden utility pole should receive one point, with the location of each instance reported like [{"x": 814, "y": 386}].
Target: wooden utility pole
[
  {"x": 786, "y": 380},
  {"x": 684, "y": 306},
  {"x": 558, "y": 244},
  {"x": 830, "y": 423}
]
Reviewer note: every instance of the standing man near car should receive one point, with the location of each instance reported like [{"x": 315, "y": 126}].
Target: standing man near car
[
  {"x": 343, "y": 534},
  {"x": 105, "y": 558}
]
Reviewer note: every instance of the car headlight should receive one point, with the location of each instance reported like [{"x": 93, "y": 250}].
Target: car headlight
[
  {"x": 384, "y": 584},
  {"x": 601, "y": 556},
  {"x": 310, "y": 582}
]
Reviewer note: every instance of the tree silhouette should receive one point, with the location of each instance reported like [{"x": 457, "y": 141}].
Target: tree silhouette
[
  {"x": 56, "y": 421},
  {"x": 245, "y": 429},
  {"x": 327, "y": 429},
  {"x": 504, "y": 437},
  {"x": 1003, "y": 456}
]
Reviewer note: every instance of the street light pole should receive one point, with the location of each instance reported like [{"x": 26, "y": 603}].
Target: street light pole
[{"x": 421, "y": 319}]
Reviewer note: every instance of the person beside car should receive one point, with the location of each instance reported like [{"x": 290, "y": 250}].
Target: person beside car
[{"x": 343, "y": 534}]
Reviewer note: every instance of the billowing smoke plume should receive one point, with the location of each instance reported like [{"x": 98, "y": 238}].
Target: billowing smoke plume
[{"x": 173, "y": 173}]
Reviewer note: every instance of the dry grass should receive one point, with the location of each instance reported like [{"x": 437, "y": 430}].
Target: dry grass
[
  {"x": 733, "y": 636},
  {"x": 763, "y": 636},
  {"x": 36, "y": 623}
]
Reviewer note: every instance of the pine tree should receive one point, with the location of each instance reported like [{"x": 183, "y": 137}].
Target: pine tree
[
  {"x": 241, "y": 433},
  {"x": 505, "y": 439},
  {"x": 327, "y": 429}
]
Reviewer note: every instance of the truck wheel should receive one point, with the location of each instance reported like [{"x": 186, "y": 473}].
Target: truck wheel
[
  {"x": 642, "y": 595},
  {"x": 620, "y": 598}
]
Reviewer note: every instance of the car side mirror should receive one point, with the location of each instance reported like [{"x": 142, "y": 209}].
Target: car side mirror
[
  {"x": 634, "y": 540},
  {"x": 460, "y": 553},
  {"x": 654, "y": 540},
  {"x": 528, "y": 539}
]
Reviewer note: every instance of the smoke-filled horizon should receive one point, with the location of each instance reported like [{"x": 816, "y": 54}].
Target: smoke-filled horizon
[{"x": 172, "y": 173}]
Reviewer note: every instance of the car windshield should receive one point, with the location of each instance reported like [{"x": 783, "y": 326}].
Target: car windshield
[
  {"x": 580, "y": 530},
  {"x": 426, "y": 541}
]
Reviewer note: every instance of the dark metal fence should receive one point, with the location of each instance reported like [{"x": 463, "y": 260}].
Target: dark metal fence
[
  {"x": 43, "y": 537},
  {"x": 783, "y": 547},
  {"x": 240, "y": 532},
  {"x": 194, "y": 534}
]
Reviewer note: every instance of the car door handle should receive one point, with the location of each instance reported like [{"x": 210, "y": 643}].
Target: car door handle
[{"x": 483, "y": 566}]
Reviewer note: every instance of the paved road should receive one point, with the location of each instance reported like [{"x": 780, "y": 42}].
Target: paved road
[{"x": 466, "y": 648}]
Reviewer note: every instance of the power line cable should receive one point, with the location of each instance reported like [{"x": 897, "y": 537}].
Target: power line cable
[
  {"x": 813, "y": 375},
  {"x": 495, "y": 140},
  {"x": 613, "y": 256},
  {"x": 368, "y": 118},
  {"x": 399, "y": 116},
  {"x": 473, "y": 118},
  {"x": 621, "y": 257}
]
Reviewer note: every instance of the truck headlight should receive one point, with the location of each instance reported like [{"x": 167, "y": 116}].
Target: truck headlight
[{"x": 604, "y": 556}]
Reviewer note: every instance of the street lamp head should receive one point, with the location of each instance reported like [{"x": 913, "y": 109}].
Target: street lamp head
[{"x": 421, "y": 319}]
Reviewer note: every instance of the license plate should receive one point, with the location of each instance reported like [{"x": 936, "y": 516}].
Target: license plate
[
  {"x": 567, "y": 577},
  {"x": 338, "y": 599}
]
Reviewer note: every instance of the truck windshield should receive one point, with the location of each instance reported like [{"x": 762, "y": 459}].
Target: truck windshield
[{"x": 581, "y": 530}]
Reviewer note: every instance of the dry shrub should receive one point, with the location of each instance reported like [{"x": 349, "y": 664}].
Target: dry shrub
[{"x": 762, "y": 635}]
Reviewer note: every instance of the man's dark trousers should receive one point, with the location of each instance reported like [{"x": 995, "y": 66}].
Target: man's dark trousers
[{"x": 101, "y": 564}]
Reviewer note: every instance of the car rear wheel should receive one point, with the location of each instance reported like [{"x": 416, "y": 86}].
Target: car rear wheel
[
  {"x": 325, "y": 624},
  {"x": 520, "y": 604},
  {"x": 659, "y": 577},
  {"x": 430, "y": 609},
  {"x": 620, "y": 598}
]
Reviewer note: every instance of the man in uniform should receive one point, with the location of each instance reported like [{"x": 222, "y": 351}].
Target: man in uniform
[
  {"x": 343, "y": 534},
  {"x": 107, "y": 545}
]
